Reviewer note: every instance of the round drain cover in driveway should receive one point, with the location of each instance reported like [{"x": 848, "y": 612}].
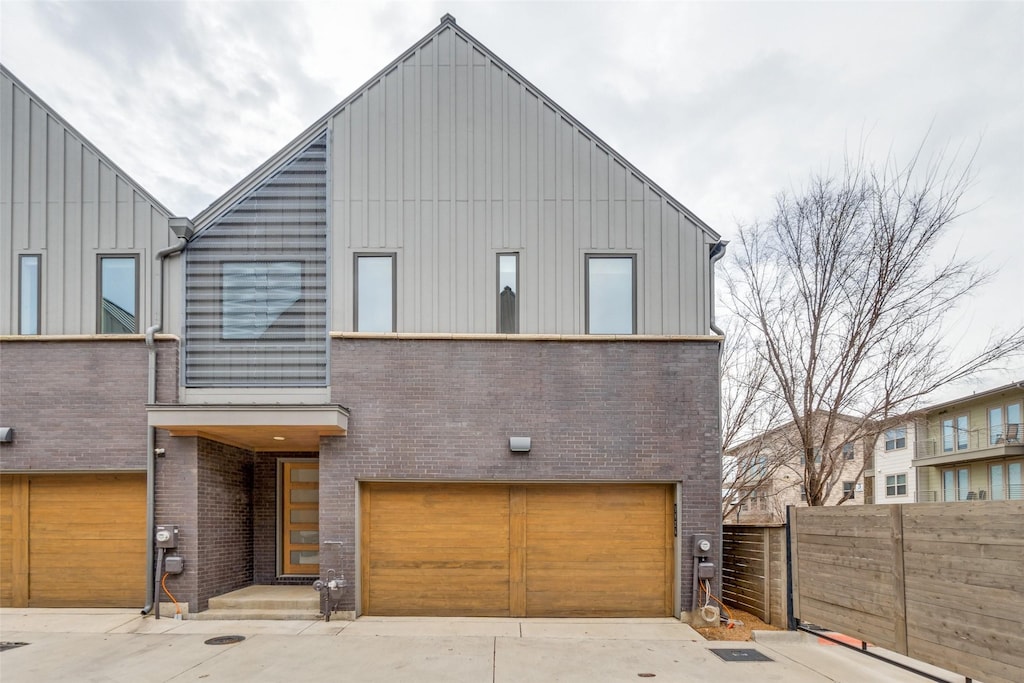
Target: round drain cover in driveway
[{"x": 224, "y": 640}]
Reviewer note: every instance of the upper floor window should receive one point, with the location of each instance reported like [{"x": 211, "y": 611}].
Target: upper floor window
[
  {"x": 1004, "y": 424},
  {"x": 29, "y": 285},
  {"x": 508, "y": 293},
  {"x": 847, "y": 451},
  {"x": 955, "y": 434},
  {"x": 255, "y": 295},
  {"x": 375, "y": 293},
  {"x": 896, "y": 485},
  {"x": 895, "y": 438},
  {"x": 119, "y": 295},
  {"x": 610, "y": 294}
]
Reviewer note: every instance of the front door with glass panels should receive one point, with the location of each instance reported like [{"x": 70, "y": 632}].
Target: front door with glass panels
[{"x": 300, "y": 517}]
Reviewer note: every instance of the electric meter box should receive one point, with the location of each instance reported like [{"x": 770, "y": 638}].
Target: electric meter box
[
  {"x": 174, "y": 564},
  {"x": 702, "y": 545},
  {"x": 166, "y": 536}
]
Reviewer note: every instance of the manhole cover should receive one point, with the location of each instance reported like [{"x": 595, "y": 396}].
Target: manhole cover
[
  {"x": 224, "y": 640},
  {"x": 735, "y": 654},
  {"x": 9, "y": 645}
]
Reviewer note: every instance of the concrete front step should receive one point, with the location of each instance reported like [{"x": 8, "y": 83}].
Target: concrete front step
[
  {"x": 257, "y": 615},
  {"x": 269, "y": 599}
]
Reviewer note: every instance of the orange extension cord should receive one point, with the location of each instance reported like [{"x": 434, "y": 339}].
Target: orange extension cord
[
  {"x": 177, "y": 607},
  {"x": 731, "y": 623}
]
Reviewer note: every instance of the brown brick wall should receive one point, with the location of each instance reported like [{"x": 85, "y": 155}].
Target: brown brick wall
[{"x": 443, "y": 410}]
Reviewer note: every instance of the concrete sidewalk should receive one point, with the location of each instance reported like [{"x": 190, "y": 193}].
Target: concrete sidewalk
[{"x": 119, "y": 645}]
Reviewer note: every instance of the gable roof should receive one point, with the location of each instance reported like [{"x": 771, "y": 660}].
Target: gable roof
[
  {"x": 6, "y": 73},
  {"x": 447, "y": 24}
]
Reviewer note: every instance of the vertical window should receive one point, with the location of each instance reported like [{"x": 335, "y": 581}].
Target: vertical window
[
  {"x": 30, "y": 281},
  {"x": 995, "y": 425},
  {"x": 508, "y": 293},
  {"x": 1004, "y": 424},
  {"x": 803, "y": 492},
  {"x": 119, "y": 295},
  {"x": 948, "y": 486},
  {"x": 1015, "y": 480},
  {"x": 963, "y": 483},
  {"x": 848, "y": 489},
  {"x": 895, "y": 438},
  {"x": 611, "y": 294},
  {"x": 847, "y": 451},
  {"x": 375, "y": 293},
  {"x": 1013, "y": 426},
  {"x": 997, "y": 484},
  {"x": 954, "y": 434}
]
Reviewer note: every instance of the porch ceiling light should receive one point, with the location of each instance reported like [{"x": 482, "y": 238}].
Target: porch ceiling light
[{"x": 278, "y": 438}]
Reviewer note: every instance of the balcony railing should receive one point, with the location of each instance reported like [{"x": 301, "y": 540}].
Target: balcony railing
[
  {"x": 1007, "y": 492},
  {"x": 965, "y": 441}
]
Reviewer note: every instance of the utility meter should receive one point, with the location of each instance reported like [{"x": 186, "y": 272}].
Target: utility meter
[
  {"x": 701, "y": 545},
  {"x": 166, "y": 536}
]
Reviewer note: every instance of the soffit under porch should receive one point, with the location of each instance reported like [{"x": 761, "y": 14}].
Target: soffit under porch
[{"x": 280, "y": 428}]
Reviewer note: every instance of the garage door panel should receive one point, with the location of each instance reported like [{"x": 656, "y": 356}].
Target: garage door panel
[
  {"x": 520, "y": 549},
  {"x": 427, "y": 547},
  {"x": 87, "y": 536}
]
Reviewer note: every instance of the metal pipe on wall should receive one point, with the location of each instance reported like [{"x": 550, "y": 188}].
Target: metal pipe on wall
[{"x": 151, "y": 331}]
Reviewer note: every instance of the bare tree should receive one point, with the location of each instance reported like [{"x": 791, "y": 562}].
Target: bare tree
[
  {"x": 847, "y": 298},
  {"x": 750, "y": 413}
]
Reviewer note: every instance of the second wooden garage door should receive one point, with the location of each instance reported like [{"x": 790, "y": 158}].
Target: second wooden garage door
[
  {"x": 76, "y": 540},
  {"x": 516, "y": 550}
]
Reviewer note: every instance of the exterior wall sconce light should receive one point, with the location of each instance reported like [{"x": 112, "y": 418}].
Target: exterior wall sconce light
[
  {"x": 519, "y": 444},
  {"x": 7, "y": 435}
]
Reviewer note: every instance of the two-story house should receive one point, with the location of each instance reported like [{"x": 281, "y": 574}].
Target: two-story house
[
  {"x": 971, "y": 448},
  {"x": 446, "y": 342}
]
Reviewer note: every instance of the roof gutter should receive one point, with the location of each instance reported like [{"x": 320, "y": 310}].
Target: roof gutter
[
  {"x": 184, "y": 230},
  {"x": 717, "y": 252}
]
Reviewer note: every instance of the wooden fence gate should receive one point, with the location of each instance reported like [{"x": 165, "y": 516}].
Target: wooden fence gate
[{"x": 940, "y": 582}]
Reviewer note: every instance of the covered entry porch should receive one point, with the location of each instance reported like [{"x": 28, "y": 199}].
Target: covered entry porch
[{"x": 242, "y": 485}]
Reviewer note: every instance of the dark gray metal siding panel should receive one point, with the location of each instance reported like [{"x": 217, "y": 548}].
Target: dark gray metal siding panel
[
  {"x": 281, "y": 220},
  {"x": 449, "y": 158}
]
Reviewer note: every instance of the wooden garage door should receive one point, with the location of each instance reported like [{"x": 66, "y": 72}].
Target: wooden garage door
[
  {"x": 516, "y": 550},
  {"x": 76, "y": 540}
]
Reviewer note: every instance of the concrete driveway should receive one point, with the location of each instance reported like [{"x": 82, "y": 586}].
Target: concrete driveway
[{"x": 119, "y": 645}]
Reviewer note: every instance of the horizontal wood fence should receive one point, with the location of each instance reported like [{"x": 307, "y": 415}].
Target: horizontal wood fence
[
  {"x": 940, "y": 582},
  {"x": 754, "y": 570}
]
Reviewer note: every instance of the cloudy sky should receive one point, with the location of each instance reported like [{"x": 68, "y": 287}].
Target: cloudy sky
[{"x": 722, "y": 104}]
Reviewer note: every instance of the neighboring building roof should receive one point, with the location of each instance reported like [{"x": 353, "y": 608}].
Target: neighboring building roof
[
  {"x": 84, "y": 140},
  {"x": 988, "y": 393},
  {"x": 447, "y": 23}
]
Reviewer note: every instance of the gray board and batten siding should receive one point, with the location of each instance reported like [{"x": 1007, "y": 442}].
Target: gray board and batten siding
[
  {"x": 449, "y": 157},
  {"x": 62, "y": 199}
]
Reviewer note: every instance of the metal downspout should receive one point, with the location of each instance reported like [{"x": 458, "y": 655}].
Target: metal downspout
[
  {"x": 717, "y": 252},
  {"x": 151, "y": 431}
]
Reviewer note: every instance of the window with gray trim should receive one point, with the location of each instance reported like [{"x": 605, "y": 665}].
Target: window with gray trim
[
  {"x": 374, "y": 293},
  {"x": 29, "y": 285},
  {"x": 508, "y": 293},
  {"x": 118, "y": 295},
  {"x": 610, "y": 294},
  {"x": 255, "y": 295}
]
